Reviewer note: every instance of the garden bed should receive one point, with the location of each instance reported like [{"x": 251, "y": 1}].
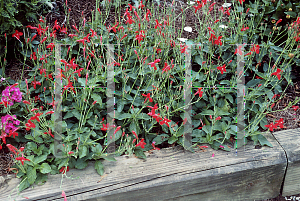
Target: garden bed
[{"x": 248, "y": 173}]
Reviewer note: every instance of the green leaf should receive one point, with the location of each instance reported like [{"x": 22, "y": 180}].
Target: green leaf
[
  {"x": 139, "y": 153},
  {"x": 207, "y": 112},
  {"x": 24, "y": 184},
  {"x": 97, "y": 98},
  {"x": 108, "y": 158},
  {"x": 39, "y": 159},
  {"x": 120, "y": 105},
  {"x": 35, "y": 42},
  {"x": 82, "y": 81},
  {"x": 81, "y": 164},
  {"x": 82, "y": 151},
  {"x": 31, "y": 174},
  {"x": 45, "y": 168},
  {"x": 122, "y": 116},
  {"x": 68, "y": 115},
  {"x": 41, "y": 179},
  {"x": 143, "y": 116},
  {"x": 76, "y": 114},
  {"x": 263, "y": 140},
  {"x": 99, "y": 167},
  {"x": 134, "y": 127},
  {"x": 97, "y": 149},
  {"x": 172, "y": 139}
]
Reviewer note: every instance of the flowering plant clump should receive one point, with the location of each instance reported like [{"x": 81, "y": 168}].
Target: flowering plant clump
[{"x": 151, "y": 76}]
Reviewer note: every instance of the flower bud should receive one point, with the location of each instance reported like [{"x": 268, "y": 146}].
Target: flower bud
[
  {"x": 288, "y": 17},
  {"x": 291, "y": 55}
]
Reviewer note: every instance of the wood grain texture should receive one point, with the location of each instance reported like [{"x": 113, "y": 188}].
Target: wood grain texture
[
  {"x": 172, "y": 174},
  {"x": 290, "y": 142}
]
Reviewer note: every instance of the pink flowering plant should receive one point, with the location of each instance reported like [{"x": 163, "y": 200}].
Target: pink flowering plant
[{"x": 149, "y": 69}]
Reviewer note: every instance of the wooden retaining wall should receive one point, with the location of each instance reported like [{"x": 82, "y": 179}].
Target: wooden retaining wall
[{"x": 176, "y": 174}]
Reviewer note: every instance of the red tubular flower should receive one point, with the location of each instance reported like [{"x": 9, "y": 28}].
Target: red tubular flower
[
  {"x": 295, "y": 107},
  {"x": 64, "y": 169},
  {"x": 221, "y": 68},
  {"x": 271, "y": 126},
  {"x": 218, "y": 118},
  {"x": 26, "y": 102},
  {"x": 50, "y": 112},
  {"x": 49, "y": 132},
  {"x": 17, "y": 34},
  {"x": 165, "y": 121},
  {"x": 56, "y": 26},
  {"x": 199, "y": 92},
  {"x": 12, "y": 148},
  {"x": 148, "y": 97},
  {"x": 255, "y": 49},
  {"x": 51, "y": 45},
  {"x": 22, "y": 159},
  {"x": 280, "y": 122},
  {"x": 134, "y": 133},
  {"x": 118, "y": 128},
  {"x": 29, "y": 125},
  {"x": 78, "y": 71},
  {"x": 278, "y": 21},
  {"x": 141, "y": 144},
  {"x": 277, "y": 73},
  {"x": 35, "y": 83},
  {"x": 14, "y": 133}
]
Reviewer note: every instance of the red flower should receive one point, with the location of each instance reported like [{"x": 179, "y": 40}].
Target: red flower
[
  {"x": 35, "y": 83},
  {"x": 241, "y": 1},
  {"x": 70, "y": 152},
  {"x": 134, "y": 133},
  {"x": 218, "y": 118},
  {"x": 29, "y": 125},
  {"x": 56, "y": 26},
  {"x": 148, "y": 97},
  {"x": 165, "y": 121},
  {"x": 105, "y": 127},
  {"x": 271, "y": 126},
  {"x": 153, "y": 63},
  {"x": 255, "y": 49},
  {"x": 238, "y": 50},
  {"x": 63, "y": 30},
  {"x": 22, "y": 159},
  {"x": 64, "y": 169},
  {"x": 141, "y": 144},
  {"x": 278, "y": 21},
  {"x": 51, "y": 45},
  {"x": 222, "y": 68},
  {"x": 3, "y": 137},
  {"x": 72, "y": 35},
  {"x": 78, "y": 71},
  {"x": 50, "y": 112},
  {"x": 157, "y": 24},
  {"x": 279, "y": 122},
  {"x": 14, "y": 133},
  {"x": 153, "y": 109},
  {"x": 36, "y": 117},
  {"x": 17, "y": 34},
  {"x": 12, "y": 148},
  {"x": 295, "y": 107},
  {"x": 277, "y": 73},
  {"x": 244, "y": 29},
  {"x": 118, "y": 128},
  {"x": 26, "y": 102},
  {"x": 49, "y": 132},
  {"x": 199, "y": 92}
]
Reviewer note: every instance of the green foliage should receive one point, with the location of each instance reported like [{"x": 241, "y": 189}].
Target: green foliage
[{"x": 142, "y": 90}]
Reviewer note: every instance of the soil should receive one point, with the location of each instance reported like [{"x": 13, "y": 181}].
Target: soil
[{"x": 14, "y": 68}]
